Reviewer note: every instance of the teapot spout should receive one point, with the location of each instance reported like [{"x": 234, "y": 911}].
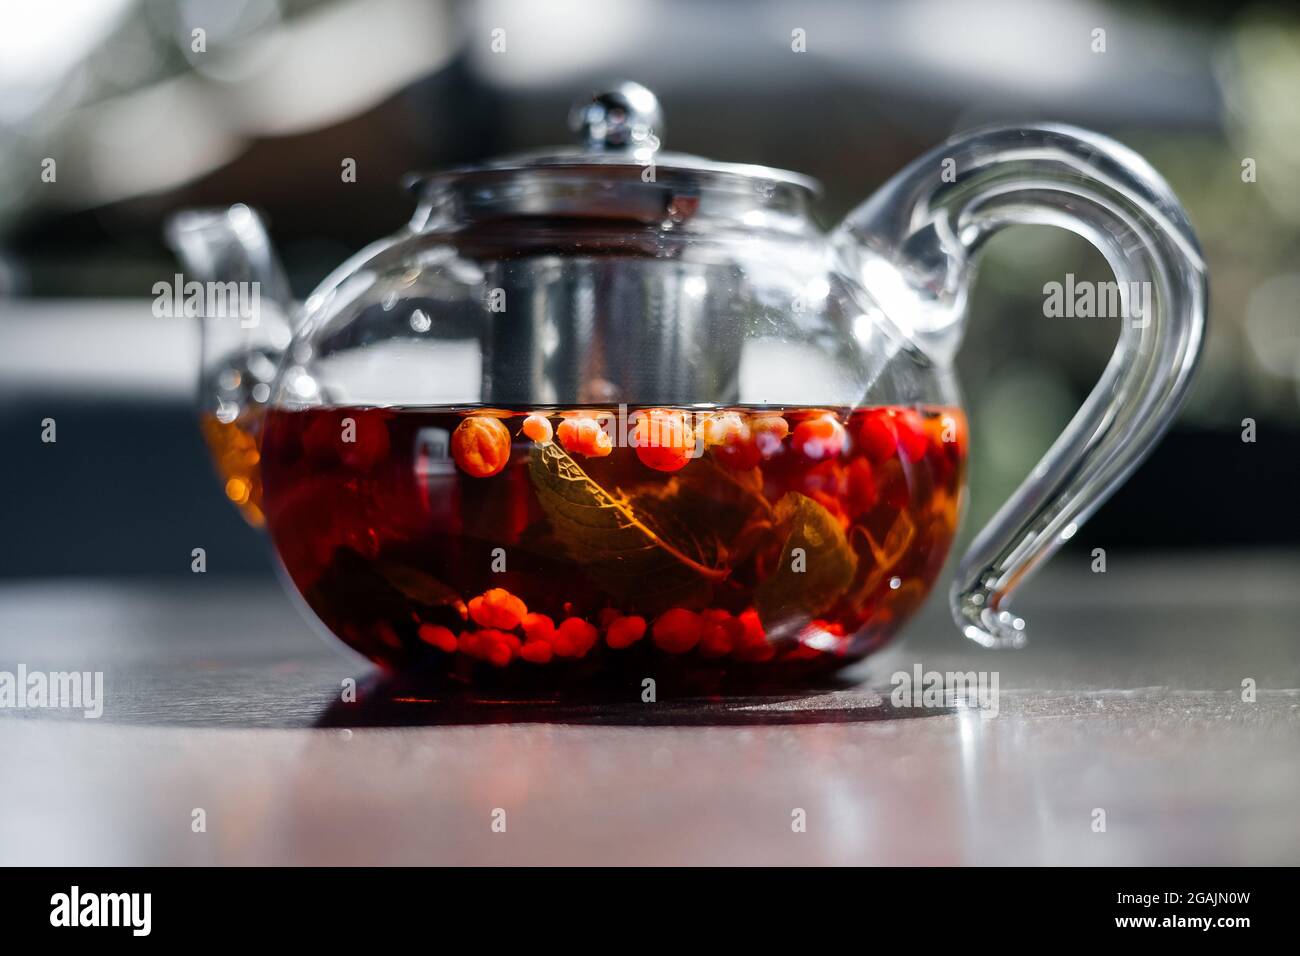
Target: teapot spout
[{"x": 234, "y": 285}]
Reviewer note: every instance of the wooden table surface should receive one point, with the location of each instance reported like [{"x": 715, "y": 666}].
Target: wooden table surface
[{"x": 220, "y": 698}]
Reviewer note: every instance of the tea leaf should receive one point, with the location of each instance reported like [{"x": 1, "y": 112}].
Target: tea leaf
[
  {"x": 884, "y": 556},
  {"x": 636, "y": 547},
  {"x": 790, "y": 598},
  {"x": 897, "y": 540},
  {"x": 707, "y": 494},
  {"x": 420, "y": 587}
]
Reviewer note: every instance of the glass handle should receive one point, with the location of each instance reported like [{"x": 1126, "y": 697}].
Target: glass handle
[{"x": 925, "y": 229}]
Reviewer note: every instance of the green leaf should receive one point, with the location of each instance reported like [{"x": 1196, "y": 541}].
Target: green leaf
[
  {"x": 637, "y": 547},
  {"x": 790, "y": 598}
]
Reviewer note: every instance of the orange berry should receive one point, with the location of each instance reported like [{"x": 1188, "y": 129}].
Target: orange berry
[
  {"x": 768, "y": 432},
  {"x": 625, "y": 631},
  {"x": 600, "y": 444},
  {"x": 664, "y": 439},
  {"x": 439, "y": 637},
  {"x": 538, "y": 428},
  {"x": 481, "y": 446},
  {"x": 720, "y": 427},
  {"x": 677, "y": 631},
  {"x": 820, "y": 437},
  {"x": 497, "y": 608},
  {"x": 582, "y": 435}
]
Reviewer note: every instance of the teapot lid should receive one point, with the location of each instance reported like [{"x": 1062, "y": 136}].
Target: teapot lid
[{"x": 617, "y": 172}]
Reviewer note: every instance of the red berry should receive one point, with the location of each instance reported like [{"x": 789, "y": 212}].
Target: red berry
[
  {"x": 863, "y": 493},
  {"x": 574, "y": 637},
  {"x": 538, "y": 627},
  {"x": 625, "y": 631},
  {"x": 878, "y": 436},
  {"x": 439, "y": 637},
  {"x": 720, "y": 633},
  {"x": 677, "y": 631},
  {"x": 911, "y": 434},
  {"x": 753, "y": 645},
  {"x": 537, "y": 652}
]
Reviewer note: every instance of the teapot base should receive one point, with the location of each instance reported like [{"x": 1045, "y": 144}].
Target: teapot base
[{"x": 656, "y": 552}]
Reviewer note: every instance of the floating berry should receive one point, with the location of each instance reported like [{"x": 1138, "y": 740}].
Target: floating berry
[
  {"x": 664, "y": 439},
  {"x": 721, "y": 427},
  {"x": 582, "y": 435},
  {"x": 625, "y": 631},
  {"x": 439, "y": 637},
  {"x": 879, "y": 436},
  {"x": 677, "y": 631},
  {"x": 497, "y": 608},
  {"x": 732, "y": 440},
  {"x": 537, "y": 652},
  {"x": 820, "y": 437},
  {"x": 481, "y": 446},
  {"x": 912, "y": 438},
  {"x": 538, "y": 428},
  {"x": 768, "y": 432}
]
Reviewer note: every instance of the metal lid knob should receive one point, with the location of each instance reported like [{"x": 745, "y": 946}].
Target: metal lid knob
[{"x": 626, "y": 117}]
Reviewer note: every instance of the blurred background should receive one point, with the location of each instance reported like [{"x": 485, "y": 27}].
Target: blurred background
[{"x": 139, "y": 123}]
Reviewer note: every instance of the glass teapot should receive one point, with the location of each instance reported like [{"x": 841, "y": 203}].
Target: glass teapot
[{"x": 609, "y": 412}]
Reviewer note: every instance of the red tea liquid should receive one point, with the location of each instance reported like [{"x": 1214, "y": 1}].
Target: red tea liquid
[{"x": 765, "y": 547}]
